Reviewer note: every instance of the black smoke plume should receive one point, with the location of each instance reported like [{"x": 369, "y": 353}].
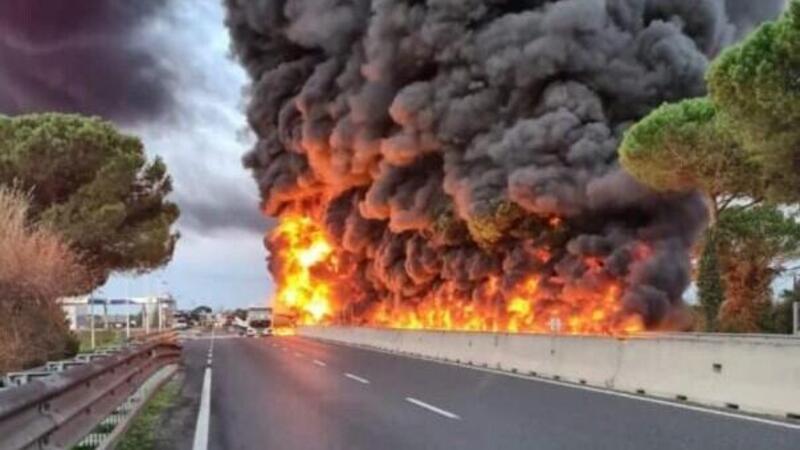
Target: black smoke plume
[
  {"x": 81, "y": 56},
  {"x": 747, "y": 14},
  {"x": 446, "y": 142}
]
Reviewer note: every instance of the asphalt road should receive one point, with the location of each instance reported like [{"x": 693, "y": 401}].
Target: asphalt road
[{"x": 297, "y": 394}]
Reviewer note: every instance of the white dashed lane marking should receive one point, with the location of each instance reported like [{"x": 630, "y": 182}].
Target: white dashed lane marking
[
  {"x": 433, "y": 409},
  {"x": 357, "y": 378}
]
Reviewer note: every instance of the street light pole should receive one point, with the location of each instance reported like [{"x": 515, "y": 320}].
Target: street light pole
[{"x": 796, "y": 318}]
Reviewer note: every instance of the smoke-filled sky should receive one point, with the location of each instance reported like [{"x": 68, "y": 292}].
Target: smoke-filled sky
[
  {"x": 160, "y": 68},
  {"x": 436, "y": 142},
  {"x": 83, "y": 55}
]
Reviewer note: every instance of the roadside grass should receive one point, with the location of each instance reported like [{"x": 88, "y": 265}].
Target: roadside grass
[
  {"x": 141, "y": 434},
  {"x": 102, "y": 338}
]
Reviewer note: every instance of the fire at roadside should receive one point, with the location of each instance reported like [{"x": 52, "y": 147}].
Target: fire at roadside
[
  {"x": 453, "y": 165},
  {"x": 312, "y": 291}
]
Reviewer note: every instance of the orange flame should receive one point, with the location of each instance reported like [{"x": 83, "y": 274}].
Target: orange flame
[
  {"x": 304, "y": 253},
  {"x": 525, "y": 310},
  {"x": 307, "y": 274}
]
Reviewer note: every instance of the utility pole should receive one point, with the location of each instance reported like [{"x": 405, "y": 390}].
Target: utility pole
[
  {"x": 796, "y": 309},
  {"x": 146, "y": 317},
  {"x": 105, "y": 314},
  {"x": 128, "y": 309},
  {"x": 91, "y": 319},
  {"x": 555, "y": 325}
]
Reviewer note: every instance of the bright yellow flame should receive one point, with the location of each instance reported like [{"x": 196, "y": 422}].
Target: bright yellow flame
[
  {"x": 304, "y": 256},
  {"x": 283, "y": 331},
  {"x": 519, "y": 305},
  {"x": 316, "y": 253},
  {"x": 528, "y": 309},
  {"x": 306, "y": 268}
]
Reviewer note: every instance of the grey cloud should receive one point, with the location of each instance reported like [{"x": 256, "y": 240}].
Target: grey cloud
[
  {"x": 221, "y": 210},
  {"x": 202, "y": 144},
  {"x": 747, "y": 14},
  {"x": 82, "y": 56}
]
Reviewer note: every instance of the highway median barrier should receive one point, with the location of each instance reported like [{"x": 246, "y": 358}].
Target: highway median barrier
[{"x": 753, "y": 373}]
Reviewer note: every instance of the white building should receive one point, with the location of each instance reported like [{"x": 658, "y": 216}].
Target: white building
[{"x": 156, "y": 310}]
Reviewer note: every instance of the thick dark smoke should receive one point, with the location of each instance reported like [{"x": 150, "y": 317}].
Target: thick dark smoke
[
  {"x": 438, "y": 139},
  {"x": 217, "y": 206},
  {"x": 81, "y": 56},
  {"x": 747, "y": 14}
]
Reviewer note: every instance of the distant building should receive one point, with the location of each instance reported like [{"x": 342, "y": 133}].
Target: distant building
[{"x": 155, "y": 310}]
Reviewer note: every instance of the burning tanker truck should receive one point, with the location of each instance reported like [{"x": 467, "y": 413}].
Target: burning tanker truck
[{"x": 452, "y": 164}]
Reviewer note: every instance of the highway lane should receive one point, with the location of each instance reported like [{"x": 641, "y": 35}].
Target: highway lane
[{"x": 293, "y": 393}]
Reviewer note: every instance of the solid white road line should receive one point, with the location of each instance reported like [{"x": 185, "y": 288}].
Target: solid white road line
[
  {"x": 432, "y": 408},
  {"x": 357, "y": 378},
  {"x": 319, "y": 363},
  {"x": 204, "y": 413}
]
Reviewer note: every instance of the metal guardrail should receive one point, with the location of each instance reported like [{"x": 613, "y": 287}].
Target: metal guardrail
[
  {"x": 108, "y": 433},
  {"x": 166, "y": 335},
  {"x": 51, "y": 410},
  {"x": 14, "y": 379}
]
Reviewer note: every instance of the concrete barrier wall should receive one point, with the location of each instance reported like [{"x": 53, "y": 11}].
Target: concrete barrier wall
[{"x": 755, "y": 374}]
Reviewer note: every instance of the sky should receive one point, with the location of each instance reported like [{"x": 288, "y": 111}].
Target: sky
[
  {"x": 164, "y": 72},
  {"x": 220, "y": 257}
]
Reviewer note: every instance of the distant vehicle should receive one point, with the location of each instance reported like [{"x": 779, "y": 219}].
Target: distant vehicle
[
  {"x": 259, "y": 320},
  {"x": 251, "y": 332},
  {"x": 180, "y": 325},
  {"x": 283, "y": 318}
]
